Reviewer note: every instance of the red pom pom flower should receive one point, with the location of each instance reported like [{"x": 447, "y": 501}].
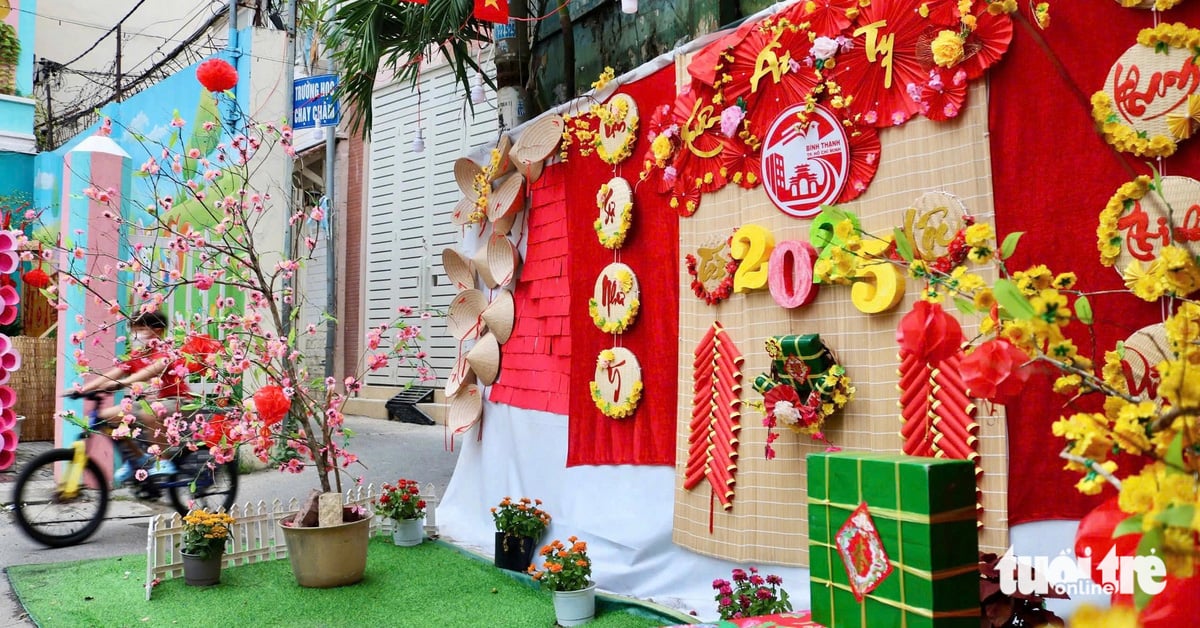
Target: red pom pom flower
[
  {"x": 217, "y": 75},
  {"x": 36, "y": 278}
]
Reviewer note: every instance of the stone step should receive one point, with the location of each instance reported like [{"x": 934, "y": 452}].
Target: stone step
[{"x": 376, "y": 408}]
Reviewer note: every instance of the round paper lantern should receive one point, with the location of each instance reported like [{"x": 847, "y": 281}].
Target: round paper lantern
[
  {"x": 217, "y": 75},
  {"x": 996, "y": 371},
  {"x": 270, "y": 403},
  {"x": 929, "y": 333}
]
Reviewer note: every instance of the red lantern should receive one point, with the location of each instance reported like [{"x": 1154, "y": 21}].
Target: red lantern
[
  {"x": 36, "y": 278},
  {"x": 271, "y": 404},
  {"x": 929, "y": 333},
  {"x": 996, "y": 370},
  {"x": 216, "y": 75},
  {"x": 1094, "y": 537}
]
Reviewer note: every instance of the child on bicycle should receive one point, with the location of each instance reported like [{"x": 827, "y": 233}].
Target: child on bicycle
[{"x": 150, "y": 363}]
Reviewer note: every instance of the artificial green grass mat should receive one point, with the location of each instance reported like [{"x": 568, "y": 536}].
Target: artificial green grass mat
[{"x": 427, "y": 585}]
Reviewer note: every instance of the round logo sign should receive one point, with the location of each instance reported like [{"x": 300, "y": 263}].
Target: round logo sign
[
  {"x": 1144, "y": 228},
  {"x": 1150, "y": 88},
  {"x": 805, "y": 166}
]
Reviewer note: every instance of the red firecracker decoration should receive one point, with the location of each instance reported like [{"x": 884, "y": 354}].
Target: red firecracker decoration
[{"x": 217, "y": 75}]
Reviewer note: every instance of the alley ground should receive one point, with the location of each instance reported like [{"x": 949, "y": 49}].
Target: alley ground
[{"x": 390, "y": 450}]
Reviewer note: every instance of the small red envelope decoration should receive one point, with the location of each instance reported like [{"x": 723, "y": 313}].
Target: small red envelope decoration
[{"x": 862, "y": 552}]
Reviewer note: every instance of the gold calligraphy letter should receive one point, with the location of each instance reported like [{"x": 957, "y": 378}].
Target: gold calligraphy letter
[{"x": 879, "y": 47}]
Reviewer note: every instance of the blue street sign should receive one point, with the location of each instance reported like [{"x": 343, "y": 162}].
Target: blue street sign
[{"x": 313, "y": 104}]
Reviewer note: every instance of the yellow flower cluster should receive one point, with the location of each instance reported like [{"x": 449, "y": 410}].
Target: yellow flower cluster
[
  {"x": 1124, "y": 137},
  {"x": 1178, "y": 384},
  {"x": 617, "y": 238},
  {"x": 1166, "y": 499},
  {"x": 1088, "y": 616},
  {"x": 997, "y": 7},
  {"x": 1108, "y": 238},
  {"x": 1041, "y": 15},
  {"x": 604, "y": 79},
  {"x": 615, "y": 326},
  {"x": 1173, "y": 273},
  {"x": 1177, "y": 35},
  {"x": 1051, "y": 314}
]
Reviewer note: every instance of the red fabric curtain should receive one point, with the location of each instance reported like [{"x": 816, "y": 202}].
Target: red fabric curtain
[
  {"x": 1052, "y": 175},
  {"x": 652, "y": 250}
]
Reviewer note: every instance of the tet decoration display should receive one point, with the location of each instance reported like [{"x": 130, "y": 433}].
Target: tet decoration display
[
  {"x": 716, "y": 415},
  {"x": 799, "y": 95},
  {"x": 617, "y": 385},
  {"x": 1148, "y": 104},
  {"x": 804, "y": 387},
  {"x": 615, "y": 203},
  {"x": 1134, "y": 226},
  {"x": 614, "y": 303},
  {"x": 617, "y": 130}
]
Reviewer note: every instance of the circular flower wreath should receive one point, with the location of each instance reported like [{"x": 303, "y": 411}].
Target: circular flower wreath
[
  {"x": 782, "y": 406},
  {"x": 617, "y": 239},
  {"x": 723, "y": 290},
  {"x": 615, "y": 410},
  {"x": 608, "y": 117},
  {"x": 619, "y": 325},
  {"x": 1108, "y": 237},
  {"x": 1124, "y": 137}
]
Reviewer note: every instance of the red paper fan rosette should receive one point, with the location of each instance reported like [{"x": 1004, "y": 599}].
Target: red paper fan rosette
[
  {"x": 944, "y": 95},
  {"x": 884, "y": 102},
  {"x": 865, "y": 151},
  {"x": 685, "y": 199},
  {"x": 989, "y": 41},
  {"x": 742, "y": 164},
  {"x": 707, "y": 64},
  {"x": 825, "y": 17},
  {"x": 699, "y": 156},
  {"x": 766, "y": 98},
  {"x": 661, "y": 121}
]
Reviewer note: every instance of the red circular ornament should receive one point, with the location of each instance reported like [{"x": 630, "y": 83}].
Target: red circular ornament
[
  {"x": 217, "y": 75},
  {"x": 36, "y": 278}
]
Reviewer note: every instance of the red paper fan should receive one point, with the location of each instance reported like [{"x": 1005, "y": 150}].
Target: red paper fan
[
  {"x": 825, "y": 17},
  {"x": 742, "y": 164},
  {"x": 945, "y": 12},
  {"x": 945, "y": 93},
  {"x": 698, "y": 160},
  {"x": 789, "y": 77},
  {"x": 661, "y": 121},
  {"x": 989, "y": 41},
  {"x": 707, "y": 64},
  {"x": 865, "y": 151},
  {"x": 881, "y": 93},
  {"x": 685, "y": 199}
]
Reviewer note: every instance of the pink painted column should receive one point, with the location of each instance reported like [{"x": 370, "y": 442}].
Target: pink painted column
[{"x": 96, "y": 176}]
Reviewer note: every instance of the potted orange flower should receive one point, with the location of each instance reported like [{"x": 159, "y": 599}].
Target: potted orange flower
[
  {"x": 519, "y": 526},
  {"x": 566, "y": 570}
]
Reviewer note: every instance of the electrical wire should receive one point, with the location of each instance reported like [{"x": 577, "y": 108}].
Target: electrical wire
[{"x": 105, "y": 35}]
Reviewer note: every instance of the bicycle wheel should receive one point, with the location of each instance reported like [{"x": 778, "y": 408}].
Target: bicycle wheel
[
  {"x": 48, "y": 516},
  {"x": 195, "y": 485}
]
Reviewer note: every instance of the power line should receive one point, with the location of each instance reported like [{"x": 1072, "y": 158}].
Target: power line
[
  {"x": 199, "y": 10},
  {"x": 105, "y": 35}
]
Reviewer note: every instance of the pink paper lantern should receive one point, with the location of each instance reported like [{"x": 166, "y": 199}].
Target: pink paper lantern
[
  {"x": 9, "y": 296},
  {"x": 7, "y": 241},
  {"x": 8, "y": 419},
  {"x": 8, "y": 314},
  {"x": 8, "y": 397},
  {"x": 10, "y": 440},
  {"x": 5, "y": 342},
  {"x": 7, "y": 458},
  {"x": 8, "y": 262},
  {"x": 10, "y": 361}
]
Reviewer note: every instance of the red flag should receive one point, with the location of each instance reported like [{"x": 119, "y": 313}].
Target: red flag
[{"x": 492, "y": 11}]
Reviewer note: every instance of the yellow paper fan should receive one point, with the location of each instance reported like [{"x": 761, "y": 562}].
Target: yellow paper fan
[
  {"x": 1180, "y": 126},
  {"x": 1194, "y": 107}
]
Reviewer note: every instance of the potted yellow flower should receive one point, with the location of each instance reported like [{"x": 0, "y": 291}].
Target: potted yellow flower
[
  {"x": 519, "y": 526},
  {"x": 566, "y": 571},
  {"x": 203, "y": 545}
]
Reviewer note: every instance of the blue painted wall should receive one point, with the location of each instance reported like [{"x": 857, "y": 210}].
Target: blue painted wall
[{"x": 26, "y": 19}]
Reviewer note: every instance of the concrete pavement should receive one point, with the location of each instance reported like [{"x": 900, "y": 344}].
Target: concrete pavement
[{"x": 389, "y": 450}]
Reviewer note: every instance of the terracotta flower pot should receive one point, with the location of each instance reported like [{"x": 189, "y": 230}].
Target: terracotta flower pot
[{"x": 332, "y": 556}]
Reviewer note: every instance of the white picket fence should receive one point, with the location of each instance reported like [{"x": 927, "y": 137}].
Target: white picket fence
[{"x": 256, "y": 536}]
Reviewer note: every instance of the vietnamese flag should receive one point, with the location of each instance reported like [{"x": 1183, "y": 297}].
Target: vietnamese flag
[{"x": 492, "y": 11}]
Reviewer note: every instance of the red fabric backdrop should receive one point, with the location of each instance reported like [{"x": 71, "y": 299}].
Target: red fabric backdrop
[
  {"x": 652, "y": 250},
  {"x": 535, "y": 363},
  {"x": 1052, "y": 174}
]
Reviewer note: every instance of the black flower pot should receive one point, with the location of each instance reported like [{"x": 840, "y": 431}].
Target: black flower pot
[{"x": 514, "y": 553}]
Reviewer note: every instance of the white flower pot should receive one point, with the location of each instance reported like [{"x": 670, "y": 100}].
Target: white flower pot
[
  {"x": 408, "y": 532},
  {"x": 572, "y": 608}
]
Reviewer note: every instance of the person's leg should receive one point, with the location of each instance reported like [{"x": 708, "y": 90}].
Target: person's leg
[{"x": 128, "y": 447}]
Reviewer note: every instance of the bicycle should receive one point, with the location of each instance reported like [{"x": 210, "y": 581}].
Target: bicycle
[{"x": 64, "y": 509}]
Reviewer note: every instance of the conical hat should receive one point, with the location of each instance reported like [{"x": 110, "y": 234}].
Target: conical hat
[
  {"x": 463, "y": 320},
  {"x": 461, "y": 376},
  {"x": 503, "y": 258},
  {"x": 466, "y": 407},
  {"x": 538, "y": 141},
  {"x": 462, "y": 211},
  {"x": 505, "y": 166},
  {"x": 499, "y": 316},
  {"x": 459, "y": 269},
  {"x": 464, "y": 174},
  {"x": 531, "y": 171},
  {"x": 484, "y": 359},
  {"x": 508, "y": 198},
  {"x": 505, "y": 224}
]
